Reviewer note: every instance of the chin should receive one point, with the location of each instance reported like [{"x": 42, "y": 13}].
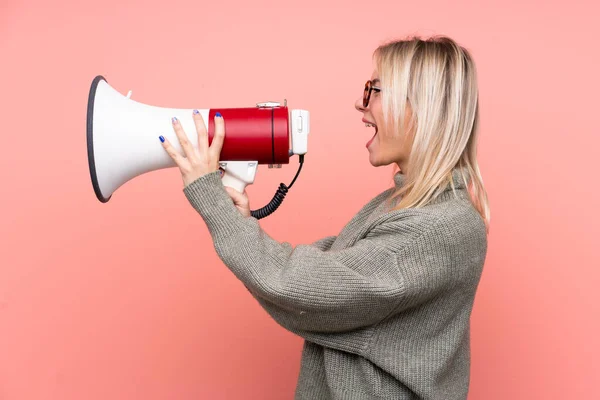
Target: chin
[{"x": 375, "y": 162}]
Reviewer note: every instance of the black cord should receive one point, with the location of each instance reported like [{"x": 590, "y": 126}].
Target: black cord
[{"x": 278, "y": 198}]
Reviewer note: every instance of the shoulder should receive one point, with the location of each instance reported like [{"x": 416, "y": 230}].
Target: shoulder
[
  {"x": 442, "y": 244},
  {"x": 452, "y": 222},
  {"x": 460, "y": 229}
]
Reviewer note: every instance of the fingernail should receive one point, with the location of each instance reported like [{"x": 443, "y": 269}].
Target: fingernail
[
  {"x": 196, "y": 112},
  {"x": 162, "y": 139},
  {"x": 174, "y": 120},
  {"x": 218, "y": 114}
]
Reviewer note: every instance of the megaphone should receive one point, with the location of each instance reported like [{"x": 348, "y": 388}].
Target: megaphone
[{"x": 122, "y": 140}]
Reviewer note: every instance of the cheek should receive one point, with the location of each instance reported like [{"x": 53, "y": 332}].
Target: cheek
[
  {"x": 390, "y": 147},
  {"x": 378, "y": 114}
]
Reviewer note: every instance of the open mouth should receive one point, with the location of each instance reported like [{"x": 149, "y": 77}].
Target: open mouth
[{"x": 371, "y": 125}]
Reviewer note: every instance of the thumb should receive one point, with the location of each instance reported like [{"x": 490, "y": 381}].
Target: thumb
[{"x": 238, "y": 198}]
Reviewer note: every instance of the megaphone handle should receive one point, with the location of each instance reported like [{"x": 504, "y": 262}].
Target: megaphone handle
[
  {"x": 238, "y": 174},
  {"x": 232, "y": 182}
]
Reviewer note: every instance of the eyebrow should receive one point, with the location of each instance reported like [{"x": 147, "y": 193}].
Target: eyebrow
[{"x": 375, "y": 81}]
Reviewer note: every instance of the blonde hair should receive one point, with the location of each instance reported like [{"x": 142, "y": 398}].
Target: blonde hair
[{"x": 436, "y": 80}]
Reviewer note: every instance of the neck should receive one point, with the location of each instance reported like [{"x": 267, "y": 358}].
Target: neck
[{"x": 402, "y": 166}]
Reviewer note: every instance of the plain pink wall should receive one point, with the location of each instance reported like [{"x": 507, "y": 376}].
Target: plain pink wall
[{"x": 128, "y": 300}]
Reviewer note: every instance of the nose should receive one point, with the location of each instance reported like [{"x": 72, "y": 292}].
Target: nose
[{"x": 359, "y": 105}]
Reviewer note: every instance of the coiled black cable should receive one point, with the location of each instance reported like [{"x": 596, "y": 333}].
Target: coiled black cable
[{"x": 278, "y": 198}]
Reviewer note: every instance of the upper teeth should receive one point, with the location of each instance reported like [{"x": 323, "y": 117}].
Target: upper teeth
[{"x": 369, "y": 125}]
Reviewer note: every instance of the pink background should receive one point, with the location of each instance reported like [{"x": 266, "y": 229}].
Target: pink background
[{"x": 128, "y": 300}]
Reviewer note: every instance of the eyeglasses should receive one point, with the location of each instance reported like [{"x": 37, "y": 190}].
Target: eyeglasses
[{"x": 367, "y": 94}]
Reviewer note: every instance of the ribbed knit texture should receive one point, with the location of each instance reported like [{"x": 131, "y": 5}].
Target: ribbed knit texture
[{"x": 384, "y": 306}]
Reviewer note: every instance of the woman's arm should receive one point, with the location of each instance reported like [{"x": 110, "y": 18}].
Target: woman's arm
[
  {"x": 311, "y": 290},
  {"x": 323, "y": 244}
]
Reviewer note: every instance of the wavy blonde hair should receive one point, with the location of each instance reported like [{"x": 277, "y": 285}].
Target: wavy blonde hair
[{"x": 436, "y": 78}]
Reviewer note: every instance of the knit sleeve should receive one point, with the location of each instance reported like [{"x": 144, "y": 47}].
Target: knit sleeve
[
  {"x": 323, "y": 244},
  {"x": 310, "y": 290}
]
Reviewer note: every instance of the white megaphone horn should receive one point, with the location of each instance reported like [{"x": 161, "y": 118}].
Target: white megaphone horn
[{"x": 122, "y": 140}]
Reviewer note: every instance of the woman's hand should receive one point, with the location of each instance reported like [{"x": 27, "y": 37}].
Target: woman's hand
[
  {"x": 240, "y": 200},
  {"x": 201, "y": 161}
]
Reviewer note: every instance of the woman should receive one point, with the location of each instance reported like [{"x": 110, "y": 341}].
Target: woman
[{"x": 384, "y": 306}]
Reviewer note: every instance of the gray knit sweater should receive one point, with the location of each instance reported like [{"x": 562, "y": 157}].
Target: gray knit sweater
[{"x": 384, "y": 306}]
